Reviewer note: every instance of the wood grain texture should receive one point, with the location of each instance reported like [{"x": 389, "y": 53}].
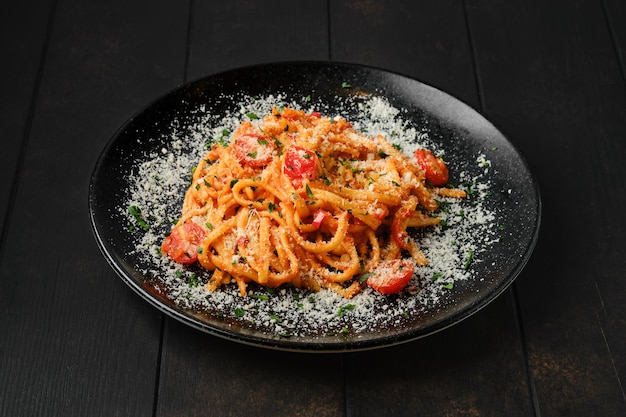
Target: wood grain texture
[
  {"x": 425, "y": 41},
  {"x": 204, "y": 375},
  {"x": 474, "y": 368},
  {"x": 75, "y": 341},
  {"x": 23, "y": 34},
  {"x": 231, "y": 34},
  {"x": 612, "y": 315},
  {"x": 555, "y": 85}
]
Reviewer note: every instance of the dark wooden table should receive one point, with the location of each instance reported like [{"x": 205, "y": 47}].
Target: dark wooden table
[{"x": 76, "y": 341}]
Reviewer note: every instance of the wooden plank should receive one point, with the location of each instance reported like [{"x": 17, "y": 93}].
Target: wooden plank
[
  {"x": 477, "y": 367},
  {"x": 205, "y": 375},
  {"x": 611, "y": 262},
  {"x": 226, "y": 35},
  {"x": 428, "y": 43},
  {"x": 202, "y": 374},
  {"x": 552, "y": 80},
  {"x": 23, "y": 30},
  {"x": 75, "y": 341},
  {"x": 472, "y": 368},
  {"x": 615, "y": 11}
]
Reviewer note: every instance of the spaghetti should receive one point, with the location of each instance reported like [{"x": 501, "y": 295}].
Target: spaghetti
[{"x": 303, "y": 199}]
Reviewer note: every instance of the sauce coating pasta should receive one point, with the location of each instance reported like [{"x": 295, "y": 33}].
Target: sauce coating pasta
[{"x": 306, "y": 200}]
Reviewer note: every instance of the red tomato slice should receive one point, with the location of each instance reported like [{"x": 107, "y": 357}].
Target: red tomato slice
[
  {"x": 251, "y": 148},
  {"x": 300, "y": 164},
  {"x": 319, "y": 217},
  {"x": 391, "y": 276},
  {"x": 434, "y": 168},
  {"x": 182, "y": 243}
]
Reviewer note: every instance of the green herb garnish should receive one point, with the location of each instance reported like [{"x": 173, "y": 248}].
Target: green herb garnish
[
  {"x": 263, "y": 297},
  {"x": 136, "y": 213},
  {"x": 275, "y": 318},
  {"x": 364, "y": 277},
  {"x": 468, "y": 261},
  {"x": 343, "y": 309}
]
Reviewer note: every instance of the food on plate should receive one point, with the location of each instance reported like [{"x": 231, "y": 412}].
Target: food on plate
[{"x": 306, "y": 200}]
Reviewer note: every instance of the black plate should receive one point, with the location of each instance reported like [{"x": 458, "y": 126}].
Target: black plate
[{"x": 460, "y": 130}]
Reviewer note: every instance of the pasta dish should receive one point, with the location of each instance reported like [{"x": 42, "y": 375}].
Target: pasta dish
[{"x": 306, "y": 200}]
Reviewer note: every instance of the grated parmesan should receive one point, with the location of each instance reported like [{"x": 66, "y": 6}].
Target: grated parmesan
[{"x": 157, "y": 188}]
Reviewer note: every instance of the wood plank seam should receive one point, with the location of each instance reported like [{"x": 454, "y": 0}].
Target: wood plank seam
[{"x": 27, "y": 130}]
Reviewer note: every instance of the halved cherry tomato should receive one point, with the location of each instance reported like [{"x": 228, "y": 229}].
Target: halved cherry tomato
[
  {"x": 251, "y": 148},
  {"x": 434, "y": 168},
  {"x": 182, "y": 243},
  {"x": 300, "y": 164},
  {"x": 391, "y": 276},
  {"x": 319, "y": 217}
]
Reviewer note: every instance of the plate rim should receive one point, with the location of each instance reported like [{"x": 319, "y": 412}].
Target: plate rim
[{"x": 307, "y": 346}]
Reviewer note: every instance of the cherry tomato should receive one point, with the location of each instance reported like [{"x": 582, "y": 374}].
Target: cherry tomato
[
  {"x": 182, "y": 243},
  {"x": 251, "y": 148},
  {"x": 319, "y": 217},
  {"x": 391, "y": 276},
  {"x": 434, "y": 168},
  {"x": 300, "y": 164}
]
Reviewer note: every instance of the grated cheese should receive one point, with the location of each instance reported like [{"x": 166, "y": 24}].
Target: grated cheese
[{"x": 158, "y": 184}]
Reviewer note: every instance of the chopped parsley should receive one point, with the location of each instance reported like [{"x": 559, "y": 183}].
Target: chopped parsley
[
  {"x": 193, "y": 281},
  {"x": 263, "y": 297},
  {"x": 468, "y": 261},
  {"x": 364, "y": 277},
  {"x": 275, "y": 318},
  {"x": 343, "y": 309},
  {"x": 136, "y": 213}
]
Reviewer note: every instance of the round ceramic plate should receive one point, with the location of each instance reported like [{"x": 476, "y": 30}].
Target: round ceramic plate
[{"x": 456, "y": 128}]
